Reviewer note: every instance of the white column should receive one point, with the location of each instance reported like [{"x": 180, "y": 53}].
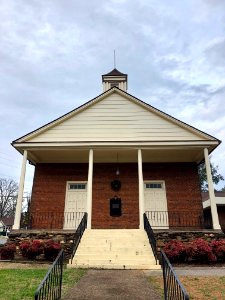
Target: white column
[
  {"x": 89, "y": 188},
  {"x": 20, "y": 193},
  {"x": 212, "y": 198},
  {"x": 141, "y": 190}
]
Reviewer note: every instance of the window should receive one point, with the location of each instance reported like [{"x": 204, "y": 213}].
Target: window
[
  {"x": 116, "y": 84},
  {"x": 77, "y": 186},
  {"x": 155, "y": 185}
]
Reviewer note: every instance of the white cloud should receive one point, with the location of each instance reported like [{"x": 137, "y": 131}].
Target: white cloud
[{"x": 52, "y": 55}]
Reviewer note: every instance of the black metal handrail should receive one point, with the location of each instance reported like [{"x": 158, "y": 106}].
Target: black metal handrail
[
  {"x": 173, "y": 288},
  {"x": 51, "y": 286},
  {"x": 151, "y": 236},
  {"x": 78, "y": 235}
]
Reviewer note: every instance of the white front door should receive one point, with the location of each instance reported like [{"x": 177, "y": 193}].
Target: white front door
[
  {"x": 75, "y": 204},
  {"x": 156, "y": 204}
]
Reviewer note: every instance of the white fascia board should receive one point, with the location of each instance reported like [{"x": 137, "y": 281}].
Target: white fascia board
[{"x": 117, "y": 144}]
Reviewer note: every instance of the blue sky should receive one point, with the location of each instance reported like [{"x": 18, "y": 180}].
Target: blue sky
[{"x": 53, "y": 53}]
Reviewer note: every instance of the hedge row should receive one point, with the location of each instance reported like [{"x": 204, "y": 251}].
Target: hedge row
[
  {"x": 31, "y": 249},
  {"x": 198, "y": 250}
]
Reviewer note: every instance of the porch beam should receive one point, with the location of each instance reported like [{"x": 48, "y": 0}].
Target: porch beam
[
  {"x": 212, "y": 198},
  {"x": 141, "y": 190},
  {"x": 18, "y": 212},
  {"x": 89, "y": 188}
]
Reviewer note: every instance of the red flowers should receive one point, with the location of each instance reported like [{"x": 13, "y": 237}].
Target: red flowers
[
  {"x": 7, "y": 252},
  {"x": 175, "y": 250},
  {"x": 51, "y": 249},
  {"x": 32, "y": 248},
  {"x": 198, "y": 250}
]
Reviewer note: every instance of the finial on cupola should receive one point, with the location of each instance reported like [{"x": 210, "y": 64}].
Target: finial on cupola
[{"x": 114, "y": 79}]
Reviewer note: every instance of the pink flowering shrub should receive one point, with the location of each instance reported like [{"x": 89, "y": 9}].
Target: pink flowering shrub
[
  {"x": 7, "y": 251},
  {"x": 200, "y": 251},
  {"x": 218, "y": 249},
  {"x": 175, "y": 251},
  {"x": 51, "y": 249},
  {"x": 31, "y": 249}
]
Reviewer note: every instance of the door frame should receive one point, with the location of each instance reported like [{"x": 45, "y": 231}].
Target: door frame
[
  {"x": 163, "y": 215},
  {"x": 66, "y": 194}
]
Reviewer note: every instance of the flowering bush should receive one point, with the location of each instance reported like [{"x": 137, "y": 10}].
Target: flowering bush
[
  {"x": 201, "y": 251},
  {"x": 7, "y": 252},
  {"x": 175, "y": 250},
  {"x": 218, "y": 249},
  {"x": 51, "y": 249},
  {"x": 31, "y": 249}
]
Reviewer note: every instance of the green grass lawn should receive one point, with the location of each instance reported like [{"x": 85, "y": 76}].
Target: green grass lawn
[{"x": 17, "y": 284}]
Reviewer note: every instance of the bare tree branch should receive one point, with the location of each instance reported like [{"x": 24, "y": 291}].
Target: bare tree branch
[{"x": 8, "y": 197}]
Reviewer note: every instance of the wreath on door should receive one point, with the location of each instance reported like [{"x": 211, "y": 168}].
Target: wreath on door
[{"x": 115, "y": 185}]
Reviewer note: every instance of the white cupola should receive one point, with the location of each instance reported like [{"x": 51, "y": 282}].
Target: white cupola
[{"x": 114, "y": 78}]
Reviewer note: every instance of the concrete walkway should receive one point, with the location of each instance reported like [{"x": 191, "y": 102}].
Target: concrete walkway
[
  {"x": 192, "y": 271},
  {"x": 113, "y": 285}
]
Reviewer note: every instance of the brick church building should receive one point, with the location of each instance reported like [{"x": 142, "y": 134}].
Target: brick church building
[{"x": 116, "y": 157}]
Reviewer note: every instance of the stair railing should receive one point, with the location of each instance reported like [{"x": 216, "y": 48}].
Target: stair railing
[
  {"x": 78, "y": 235},
  {"x": 151, "y": 237},
  {"x": 173, "y": 288}
]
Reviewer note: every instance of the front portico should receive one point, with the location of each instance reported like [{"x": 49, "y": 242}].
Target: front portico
[{"x": 96, "y": 168}]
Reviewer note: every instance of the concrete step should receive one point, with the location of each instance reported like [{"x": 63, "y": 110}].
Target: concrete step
[
  {"x": 107, "y": 257},
  {"x": 117, "y": 249},
  {"x": 115, "y": 244},
  {"x": 116, "y": 266},
  {"x": 87, "y": 250}
]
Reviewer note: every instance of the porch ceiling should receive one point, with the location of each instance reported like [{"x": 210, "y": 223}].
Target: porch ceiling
[{"x": 169, "y": 154}]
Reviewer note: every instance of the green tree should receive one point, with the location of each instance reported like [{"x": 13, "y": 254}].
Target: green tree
[{"x": 216, "y": 177}]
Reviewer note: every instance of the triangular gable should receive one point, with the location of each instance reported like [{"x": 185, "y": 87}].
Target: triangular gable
[{"x": 115, "y": 116}]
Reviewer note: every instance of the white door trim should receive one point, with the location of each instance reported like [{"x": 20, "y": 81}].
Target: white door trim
[
  {"x": 157, "y": 216},
  {"x": 72, "y": 219}
]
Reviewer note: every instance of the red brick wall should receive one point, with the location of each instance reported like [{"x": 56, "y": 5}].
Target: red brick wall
[
  {"x": 182, "y": 189},
  {"x": 49, "y": 190},
  {"x": 103, "y": 175},
  {"x": 181, "y": 179}
]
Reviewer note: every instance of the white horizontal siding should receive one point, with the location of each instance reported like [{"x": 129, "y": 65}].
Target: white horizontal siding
[{"x": 115, "y": 118}]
